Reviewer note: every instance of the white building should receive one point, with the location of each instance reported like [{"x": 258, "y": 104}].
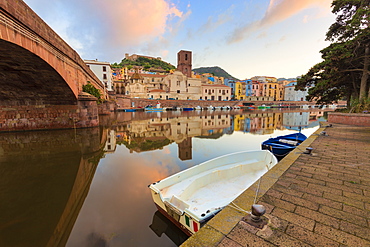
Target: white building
[
  {"x": 103, "y": 71},
  {"x": 292, "y": 95}
]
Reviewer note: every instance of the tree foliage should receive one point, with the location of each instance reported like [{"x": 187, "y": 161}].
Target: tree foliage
[
  {"x": 344, "y": 71},
  {"x": 89, "y": 88},
  {"x": 147, "y": 63}
]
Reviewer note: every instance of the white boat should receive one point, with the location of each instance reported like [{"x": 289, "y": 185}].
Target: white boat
[{"x": 193, "y": 196}]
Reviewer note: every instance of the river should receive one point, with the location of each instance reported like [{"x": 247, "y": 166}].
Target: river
[{"x": 89, "y": 187}]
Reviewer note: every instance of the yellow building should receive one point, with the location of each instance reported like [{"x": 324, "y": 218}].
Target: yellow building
[
  {"x": 274, "y": 90},
  {"x": 239, "y": 93}
]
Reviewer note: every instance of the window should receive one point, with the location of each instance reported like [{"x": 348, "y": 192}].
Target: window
[
  {"x": 186, "y": 56},
  {"x": 178, "y": 91},
  {"x": 104, "y": 68}
]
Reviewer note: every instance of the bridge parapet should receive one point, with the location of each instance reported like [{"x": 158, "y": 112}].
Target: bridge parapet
[{"x": 20, "y": 25}]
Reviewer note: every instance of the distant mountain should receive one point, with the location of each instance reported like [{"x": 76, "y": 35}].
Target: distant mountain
[{"x": 217, "y": 71}]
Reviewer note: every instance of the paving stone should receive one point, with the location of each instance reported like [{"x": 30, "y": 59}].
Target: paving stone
[
  {"x": 318, "y": 217},
  {"x": 344, "y": 188},
  {"x": 325, "y": 189},
  {"x": 344, "y": 200},
  {"x": 281, "y": 239},
  {"x": 227, "y": 242},
  {"x": 243, "y": 237},
  {"x": 299, "y": 201},
  {"x": 352, "y": 210},
  {"x": 356, "y": 196},
  {"x": 305, "y": 189},
  {"x": 274, "y": 193},
  {"x": 294, "y": 218},
  {"x": 363, "y": 232},
  {"x": 311, "y": 180},
  {"x": 309, "y": 237},
  {"x": 278, "y": 203},
  {"x": 323, "y": 201},
  {"x": 327, "y": 179},
  {"x": 343, "y": 215},
  {"x": 340, "y": 236},
  {"x": 288, "y": 191}
]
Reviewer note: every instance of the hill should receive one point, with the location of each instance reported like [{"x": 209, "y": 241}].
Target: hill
[
  {"x": 146, "y": 63},
  {"x": 217, "y": 71}
]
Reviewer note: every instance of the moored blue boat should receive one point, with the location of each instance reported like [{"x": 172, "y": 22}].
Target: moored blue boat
[
  {"x": 129, "y": 110},
  {"x": 188, "y": 109},
  {"x": 282, "y": 145}
]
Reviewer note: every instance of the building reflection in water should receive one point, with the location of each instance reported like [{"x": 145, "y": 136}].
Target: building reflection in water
[{"x": 151, "y": 132}]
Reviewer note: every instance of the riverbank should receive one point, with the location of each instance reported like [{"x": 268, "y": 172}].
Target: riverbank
[
  {"x": 139, "y": 104},
  {"x": 321, "y": 199}
]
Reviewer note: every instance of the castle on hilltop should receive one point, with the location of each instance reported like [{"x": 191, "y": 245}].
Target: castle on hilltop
[{"x": 134, "y": 57}]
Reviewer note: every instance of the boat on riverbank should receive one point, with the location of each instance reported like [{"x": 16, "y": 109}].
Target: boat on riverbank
[
  {"x": 192, "y": 197},
  {"x": 282, "y": 145}
]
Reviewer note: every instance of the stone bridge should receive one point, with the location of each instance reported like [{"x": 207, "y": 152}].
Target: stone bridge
[{"x": 41, "y": 76}]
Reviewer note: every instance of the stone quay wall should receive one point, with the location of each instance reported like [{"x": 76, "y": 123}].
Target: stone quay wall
[
  {"x": 357, "y": 119},
  {"x": 123, "y": 103},
  {"x": 42, "y": 117}
]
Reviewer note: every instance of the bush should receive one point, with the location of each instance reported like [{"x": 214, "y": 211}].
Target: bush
[
  {"x": 360, "y": 106},
  {"x": 89, "y": 88}
]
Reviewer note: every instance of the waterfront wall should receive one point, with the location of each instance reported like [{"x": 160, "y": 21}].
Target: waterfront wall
[
  {"x": 357, "y": 119},
  {"x": 139, "y": 102},
  {"x": 38, "y": 117}
]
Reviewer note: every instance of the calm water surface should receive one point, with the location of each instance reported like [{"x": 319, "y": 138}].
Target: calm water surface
[{"x": 90, "y": 187}]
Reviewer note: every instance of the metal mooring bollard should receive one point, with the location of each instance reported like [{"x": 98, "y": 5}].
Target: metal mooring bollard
[
  {"x": 308, "y": 150},
  {"x": 257, "y": 211}
]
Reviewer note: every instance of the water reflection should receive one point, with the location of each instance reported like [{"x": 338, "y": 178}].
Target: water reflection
[
  {"x": 146, "y": 147},
  {"x": 89, "y": 187},
  {"x": 45, "y": 177},
  {"x": 160, "y": 130},
  {"x": 162, "y": 225}
]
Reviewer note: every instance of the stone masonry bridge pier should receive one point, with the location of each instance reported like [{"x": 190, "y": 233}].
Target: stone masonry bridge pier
[{"x": 41, "y": 76}]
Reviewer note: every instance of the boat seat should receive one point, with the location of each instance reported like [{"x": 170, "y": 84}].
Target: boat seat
[
  {"x": 178, "y": 203},
  {"x": 291, "y": 142}
]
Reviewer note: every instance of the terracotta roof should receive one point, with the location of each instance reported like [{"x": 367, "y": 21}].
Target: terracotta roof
[
  {"x": 136, "y": 76},
  {"x": 157, "y": 90},
  {"x": 149, "y": 75},
  {"x": 215, "y": 85}
]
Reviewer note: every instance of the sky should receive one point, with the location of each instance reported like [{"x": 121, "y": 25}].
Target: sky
[{"x": 279, "y": 38}]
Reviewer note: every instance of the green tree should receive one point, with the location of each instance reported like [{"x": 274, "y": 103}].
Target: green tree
[
  {"x": 89, "y": 88},
  {"x": 344, "y": 71}
]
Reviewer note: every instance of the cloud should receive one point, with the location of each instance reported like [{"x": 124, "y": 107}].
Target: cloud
[
  {"x": 277, "y": 11},
  {"x": 108, "y": 27},
  {"x": 221, "y": 19}
]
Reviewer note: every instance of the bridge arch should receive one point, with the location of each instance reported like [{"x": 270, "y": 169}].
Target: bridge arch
[
  {"x": 41, "y": 76},
  {"x": 27, "y": 79}
]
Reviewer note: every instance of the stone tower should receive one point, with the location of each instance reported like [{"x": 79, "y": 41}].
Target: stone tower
[
  {"x": 184, "y": 62},
  {"x": 185, "y": 149}
]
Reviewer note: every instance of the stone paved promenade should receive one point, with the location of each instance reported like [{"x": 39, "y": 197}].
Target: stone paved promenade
[{"x": 321, "y": 199}]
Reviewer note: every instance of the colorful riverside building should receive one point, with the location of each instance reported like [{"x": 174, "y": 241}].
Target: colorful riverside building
[
  {"x": 239, "y": 93},
  {"x": 291, "y": 95},
  {"x": 230, "y": 83},
  {"x": 215, "y": 92}
]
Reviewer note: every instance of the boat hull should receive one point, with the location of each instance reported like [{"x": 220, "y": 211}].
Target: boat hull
[
  {"x": 282, "y": 145},
  {"x": 193, "y": 196},
  {"x": 153, "y": 109}
]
